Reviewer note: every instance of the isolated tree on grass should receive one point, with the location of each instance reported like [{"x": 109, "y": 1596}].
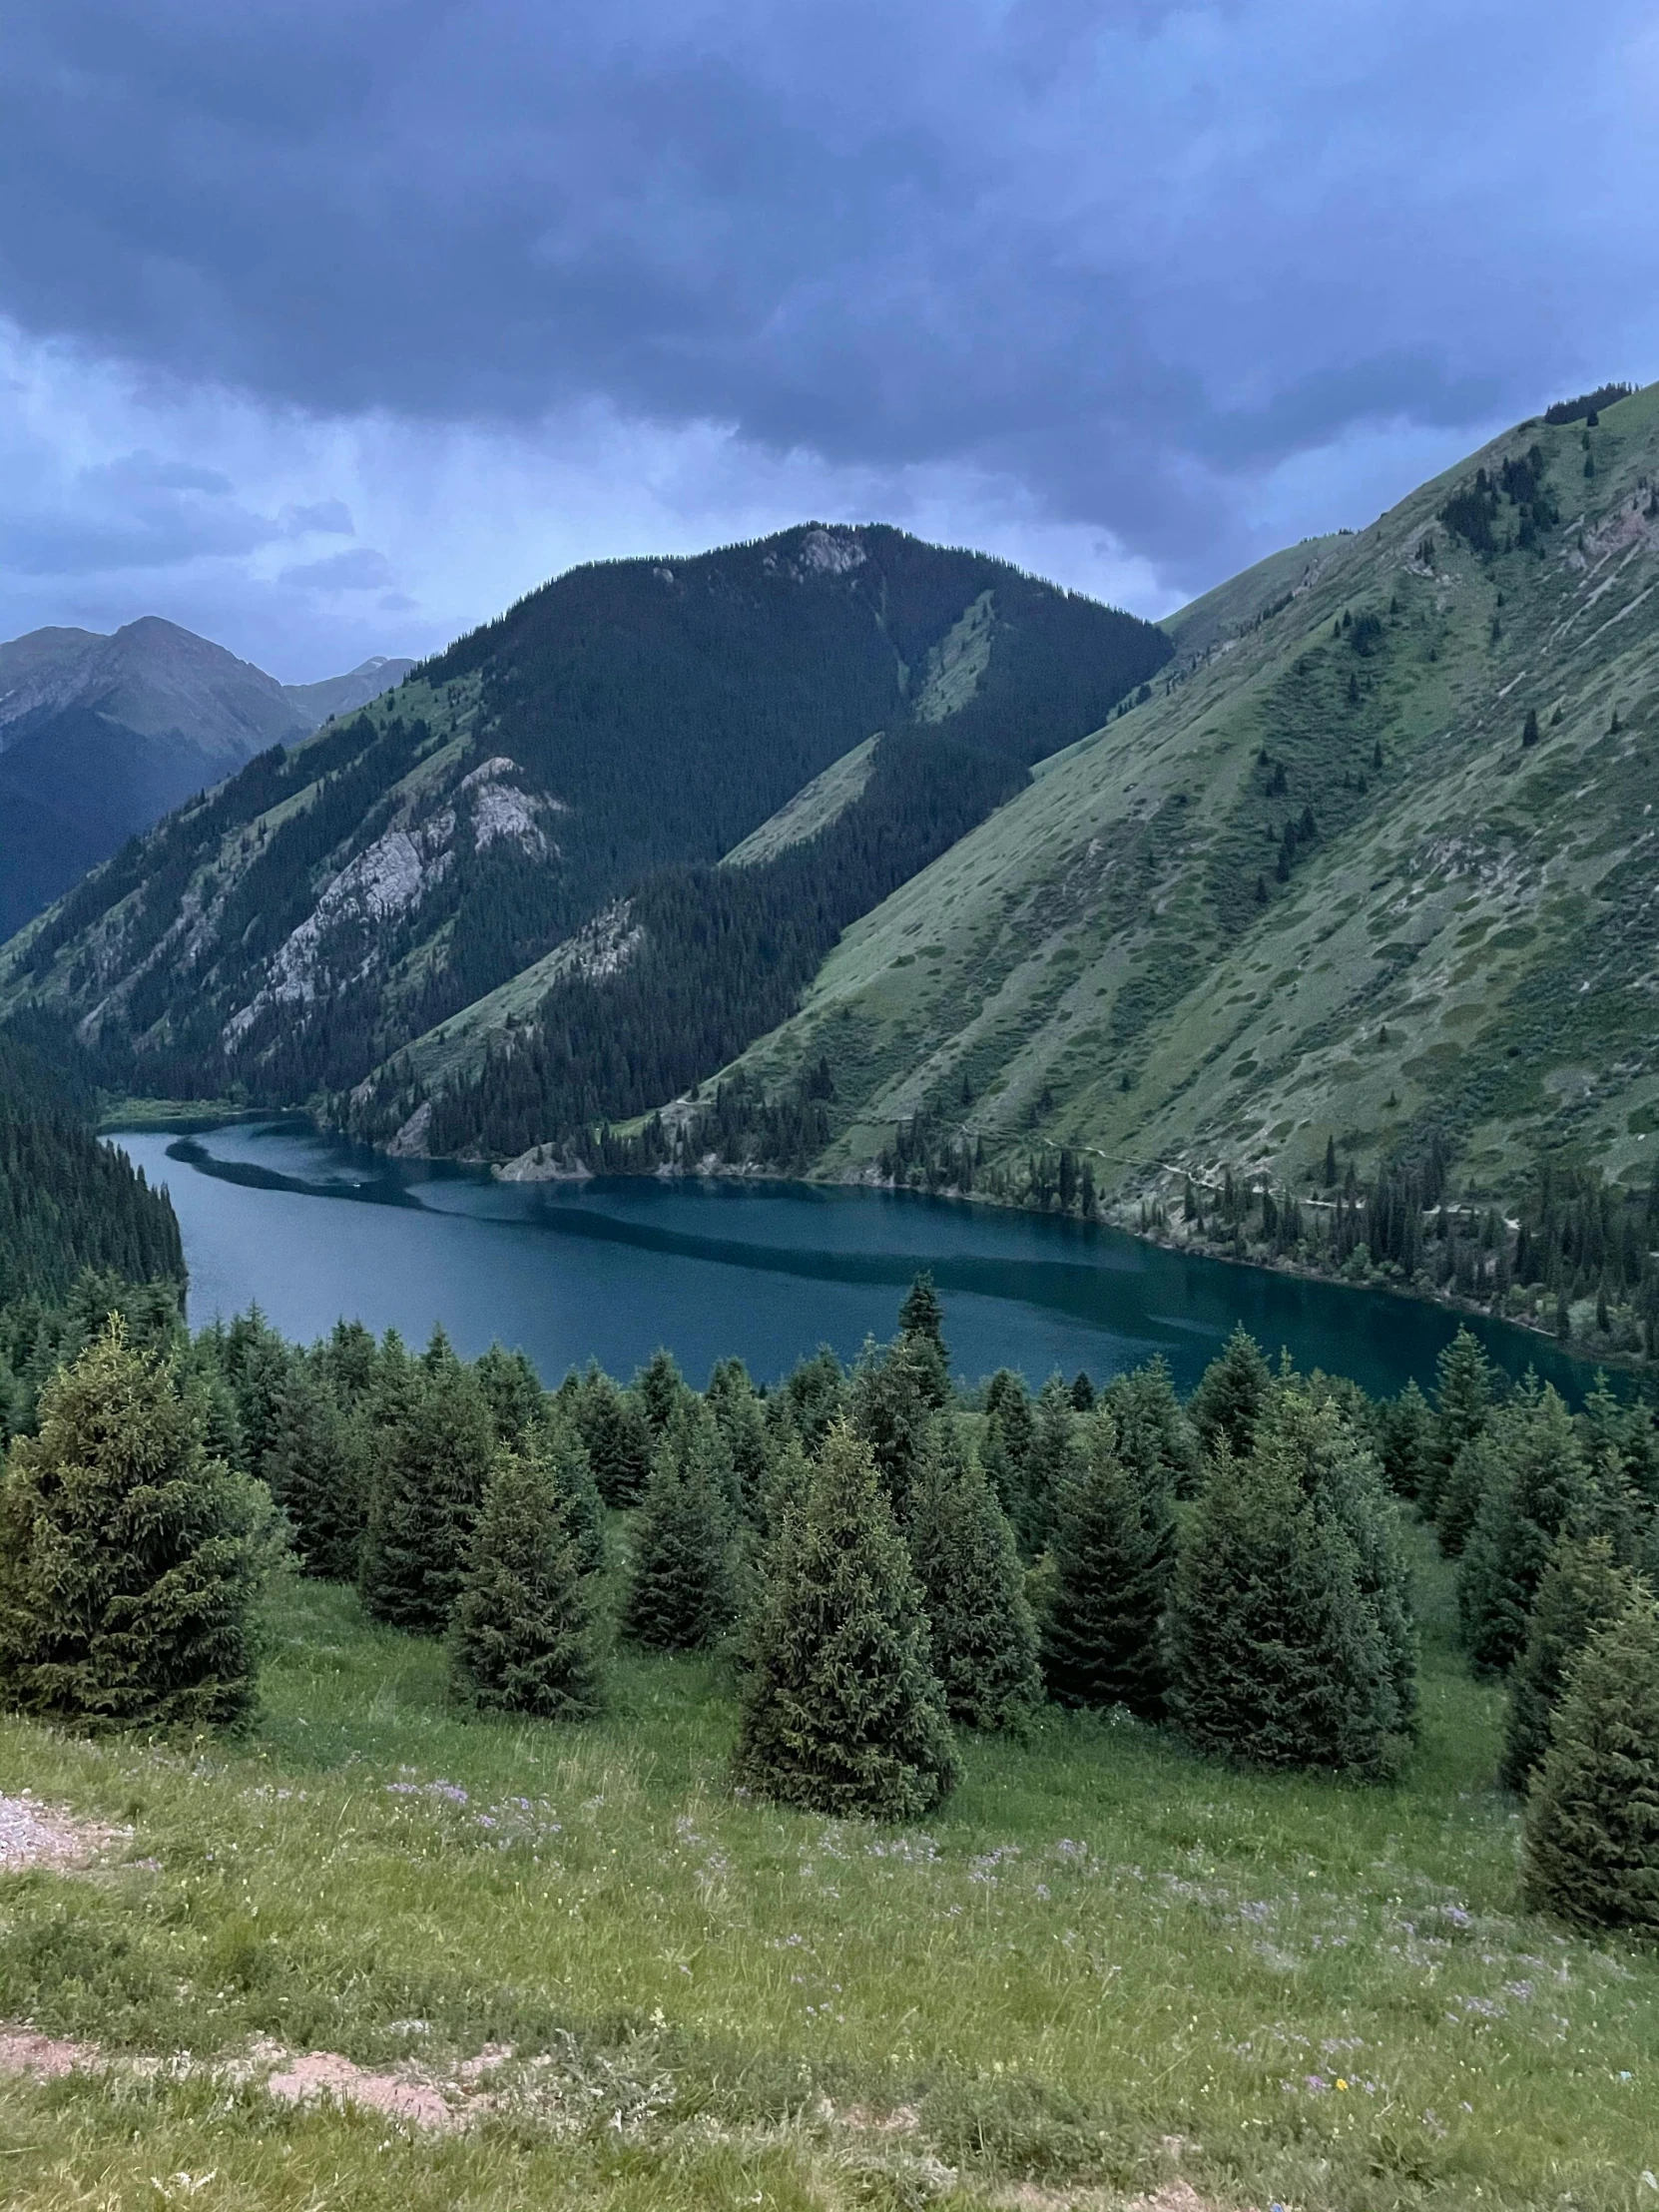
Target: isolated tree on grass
[
  {"x": 681, "y": 1595},
  {"x": 130, "y": 1561},
  {"x": 1231, "y": 1394},
  {"x": 1591, "y": 1850},
  {"x": 1583, "y": 1588},
  {"x": 522, "y": 1638},
  {"x": 843, "y": 1713},
  {"x": 1114, "y": 1556},
  {"x": 435, "y": 1458},
  {"x": 1538, "y": 1479},
  {"x": 982, "y": 1637},
  {"x": 1278, "y": 1656}
]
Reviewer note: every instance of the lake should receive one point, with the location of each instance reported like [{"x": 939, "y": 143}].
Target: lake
[{"x": 313, "y": 1227}]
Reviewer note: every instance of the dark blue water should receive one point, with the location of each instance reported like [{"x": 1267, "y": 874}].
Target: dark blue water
[{"x": 313, "y": 1229}]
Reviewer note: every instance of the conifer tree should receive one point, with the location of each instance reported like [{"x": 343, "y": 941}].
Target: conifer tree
[
  {"x": 921, "y": 1327},
  {"x": 512, "y": 1391},
  {"x": 1463, "y": 1396},
  {"x": 1277, "y": 1657},
  {"x": 315, "y": 1469},
  {"x": 1582, "y": 1589},
  {"x": 892, "y": 1406},
  {"x": 982, "y": 1637},
  {"x": 1405, "y": 1430},
  {"x": 1114, "y": 1556},
  {"x": 618, "y": 1437},
  {"x": 1153, "y": 1429},
  {"x": 660, "y": 1391},
  {"x": 737, "y": 1407},
  {"x": 1591, "y": 1850},
  {"x": 1231, "y": 1394},
  {"x": 432, "y": 1461},
  {"x": 1051, "y": 1465},
  {"x": 815, "y": 1398},
  {"x": 1005, "y": 1450},
  {"x": 130, "y": 1561},
  {"x": 522, "y": 1638},
  {"x": 1083, "y": 1391},
  {"x": 843, "y": 1713},
  {"x": 1536, "y": 1480},
  {"x": 681, "y": 1595},
  {"x": 556, "y": 1443}
]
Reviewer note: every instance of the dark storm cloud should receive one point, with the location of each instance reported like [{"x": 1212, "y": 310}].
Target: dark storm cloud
[{"x": 1132, "y": 256}]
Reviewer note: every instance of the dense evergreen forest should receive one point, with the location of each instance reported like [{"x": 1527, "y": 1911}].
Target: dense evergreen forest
[{"x": 67, "y": 1202}]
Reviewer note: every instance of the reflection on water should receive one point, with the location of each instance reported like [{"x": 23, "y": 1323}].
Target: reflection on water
[{"x": 311, "y": 1228}]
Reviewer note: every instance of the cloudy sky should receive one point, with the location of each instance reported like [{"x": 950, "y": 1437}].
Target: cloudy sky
[{"x": 330, "y": 327}]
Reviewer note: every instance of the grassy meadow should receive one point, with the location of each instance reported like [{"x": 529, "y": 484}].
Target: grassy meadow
[{"x": 1103, "y": 1967}]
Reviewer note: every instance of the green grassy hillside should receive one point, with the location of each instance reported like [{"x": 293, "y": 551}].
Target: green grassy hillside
[
  {"x": 1107, "y": 1966},
  {"x": 1330, "y": 881}
]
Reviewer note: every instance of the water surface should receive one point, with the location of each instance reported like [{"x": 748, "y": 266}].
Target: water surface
[{"x": 313, "y": 1227}]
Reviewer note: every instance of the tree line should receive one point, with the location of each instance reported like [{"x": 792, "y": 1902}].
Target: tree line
[{"x": 882, "y": 1559}]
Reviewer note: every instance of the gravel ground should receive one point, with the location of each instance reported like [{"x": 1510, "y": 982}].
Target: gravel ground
[{"x": 36, "y": 1835}]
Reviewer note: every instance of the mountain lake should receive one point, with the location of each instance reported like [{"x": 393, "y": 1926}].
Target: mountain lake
[{"x": 313, "y": 1227}]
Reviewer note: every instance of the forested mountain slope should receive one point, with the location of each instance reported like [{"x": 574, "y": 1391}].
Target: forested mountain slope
[
  {"x": 1379, "y": 867},
  {"x": 101, "y": 736},
  {"x": 509, "y": 864}
]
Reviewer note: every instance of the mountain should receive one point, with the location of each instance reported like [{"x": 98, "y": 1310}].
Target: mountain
[
  {"x": 101, "y": 736},
  {"x": 344, "y": 694},
  {"x": 1377, "y": 860},
  {"x": 490, "y": 905}
]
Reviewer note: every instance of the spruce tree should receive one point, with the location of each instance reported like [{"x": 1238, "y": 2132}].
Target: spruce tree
[
  {"x": 843, "y": 1713},
  {"x": 660, "y": 1391},
  {"x": 522, "y": 1638},
  {"x": 1538, "y": 1480},
  {"x": 130, "y": 1561},
  {"x": 681, "y": 1595},
  {"x": 921, "y": 1327},
  {"x": 892, "y": 1406},
  {"x": 1005, "y": 1449},
  {"x": 1463, "y": 1394},
  {"x": 1231, "y": 1394},
  {"x": 433, "y": 1459},
  {"x": 1582, "y": 1589},
  {"x": 1591, "y": 1852},
  {"x": 1277, "y": 1657},
  {"x": 512, "y": 1391},
  {"x": 1154, "y": 1432},
  {"x": 1406, "y": 1430},
  {"x": 1114, "y": 1556},
  {"x": 738, "y": 1408},
  {"x": 815, "y": 1398},
  {"x": 315, "y": 1468},
  {"x": 982, "y": 1637},
  {"x": 556, "y": 1443},
  {"x": 618, "y": 1437},
  {"x": 1051, "y": 1465}
]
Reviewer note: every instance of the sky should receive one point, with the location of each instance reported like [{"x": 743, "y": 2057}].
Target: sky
[{"x": 330, "y": 328}]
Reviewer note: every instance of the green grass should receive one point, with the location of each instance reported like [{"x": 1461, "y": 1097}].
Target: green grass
[{"x": 1100, "y": 1945}]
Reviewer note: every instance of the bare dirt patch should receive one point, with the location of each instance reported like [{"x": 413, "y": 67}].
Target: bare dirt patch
[
  {"x": 36, "y": 1835},
  {"x": 44, "y": 2057},
  {"x": 319, "y": 2077}
]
